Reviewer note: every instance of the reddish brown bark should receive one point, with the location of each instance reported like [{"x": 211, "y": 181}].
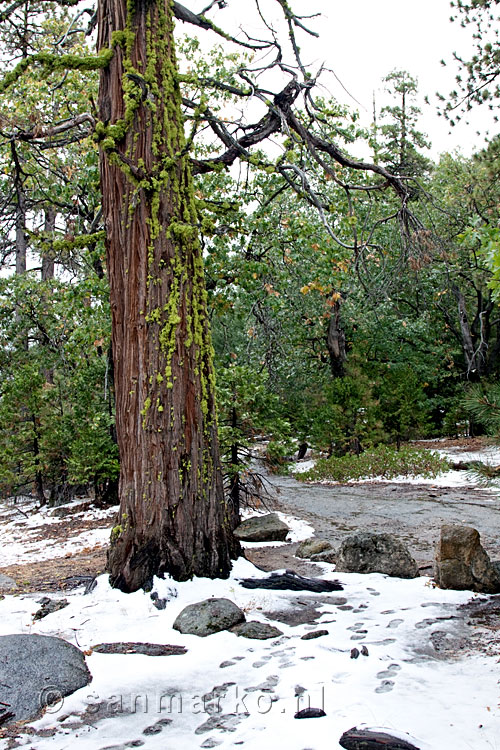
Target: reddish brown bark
[{"x": 173, "y": 515}]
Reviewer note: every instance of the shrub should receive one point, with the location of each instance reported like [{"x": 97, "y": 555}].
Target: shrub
[{"x": 379, "y": 462}]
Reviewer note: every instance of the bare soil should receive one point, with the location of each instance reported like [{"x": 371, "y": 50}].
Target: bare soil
[{"x": 59, "y": 574}]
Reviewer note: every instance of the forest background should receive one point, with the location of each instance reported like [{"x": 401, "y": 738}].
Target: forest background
[{"x": 338, "y": 319}]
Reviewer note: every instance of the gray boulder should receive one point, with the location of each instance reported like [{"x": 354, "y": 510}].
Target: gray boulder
[
  {"x": 370, "y": 552},
  {"x": 463, "y": 564},
  {"x": 266, "y": 528},
  {"x": 260, "y": 631},
  {"x": 37, "y": 671},
  {"x": 209, "y": 616}
]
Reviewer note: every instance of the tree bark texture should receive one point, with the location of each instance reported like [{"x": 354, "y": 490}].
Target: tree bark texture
[{"x": 173, "y": 515}]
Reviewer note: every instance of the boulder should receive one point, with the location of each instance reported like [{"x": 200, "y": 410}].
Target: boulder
[
  {"x": 260, "y": 631},
  {"x": 370, "y": 552},
  {"x": 266, "y": 528},
  {"x": 462, "y": 563},
  {"x": 37, "y": 671},
  {"x": 310, "y": 547},
  {"x": 209, "y": 616}
]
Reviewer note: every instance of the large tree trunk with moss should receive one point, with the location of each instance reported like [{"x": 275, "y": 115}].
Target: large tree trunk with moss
[{"x": 173, "y": 515}]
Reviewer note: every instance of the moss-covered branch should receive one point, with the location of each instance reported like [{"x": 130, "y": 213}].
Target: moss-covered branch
[
  {"x": 46, "y": 243},
  {"x": 51, "y": 63}
]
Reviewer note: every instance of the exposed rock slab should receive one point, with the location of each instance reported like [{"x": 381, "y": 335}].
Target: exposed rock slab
[
  {"x": 370, "y": 552},
  {"x": 462, "y": 563},
  {"x": 37, "y": 670},
  {"x": 209, "y": 616},
  {"x": 268, "y": 528}
]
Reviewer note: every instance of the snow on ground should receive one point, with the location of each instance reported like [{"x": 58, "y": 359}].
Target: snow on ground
[
  {"x": 402, "y": 685},
  {"x": 28, "y": 535},
  {"x": 229, "y": 691},
  {"x": 304, "y": 465}
]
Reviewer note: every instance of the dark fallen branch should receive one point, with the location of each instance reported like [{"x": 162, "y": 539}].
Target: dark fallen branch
[
  {"x": 290, "y": 581},
  {"x": 6, "y": 716}
]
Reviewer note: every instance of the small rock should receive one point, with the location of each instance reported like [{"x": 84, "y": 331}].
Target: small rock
[
  {"x": 310, "y": 713},
  {"x": 354, "y": 653},
  {"x": 259, "y": 630},
  {"x": 268, "y": 528},
  {"x": 209, "y": 616},
  {"x": 313, "y": 634},
  {"x": 49, "y": 606},
  {"x": 157, "y": 602},
  {"x": 312, "y": 546},
  {"x": 364, "y": 651}
]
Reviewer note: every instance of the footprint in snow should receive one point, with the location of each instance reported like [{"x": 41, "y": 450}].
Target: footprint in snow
[
  {"x": 391, "y": 671},
  {"x": 395, "y": 623},
  {"x": 385, "y": 687},
  {"x": 157, "y": 727}
]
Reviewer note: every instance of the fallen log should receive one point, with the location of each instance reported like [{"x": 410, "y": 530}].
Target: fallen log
[{"x": 367, "y": 739}]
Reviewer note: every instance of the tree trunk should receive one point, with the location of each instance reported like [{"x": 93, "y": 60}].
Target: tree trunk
[
  {"x": 48, "y": 265},
  {"x": 173, "y": 515},
  {"x": 234, "y": 491},
  {"x": 21, "y": 242},
  {"x": 335, "y": 342},
  {"x": 471, "y": 356}
]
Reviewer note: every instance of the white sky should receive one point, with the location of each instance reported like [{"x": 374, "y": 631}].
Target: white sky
[{"x": 363, "y": 40}]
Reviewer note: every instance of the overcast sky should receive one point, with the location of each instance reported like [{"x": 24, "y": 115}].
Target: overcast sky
[{"x": 363, "y": 40}]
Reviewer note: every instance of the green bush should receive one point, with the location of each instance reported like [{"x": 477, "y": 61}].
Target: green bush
[{"x": 379, "y": 462}]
